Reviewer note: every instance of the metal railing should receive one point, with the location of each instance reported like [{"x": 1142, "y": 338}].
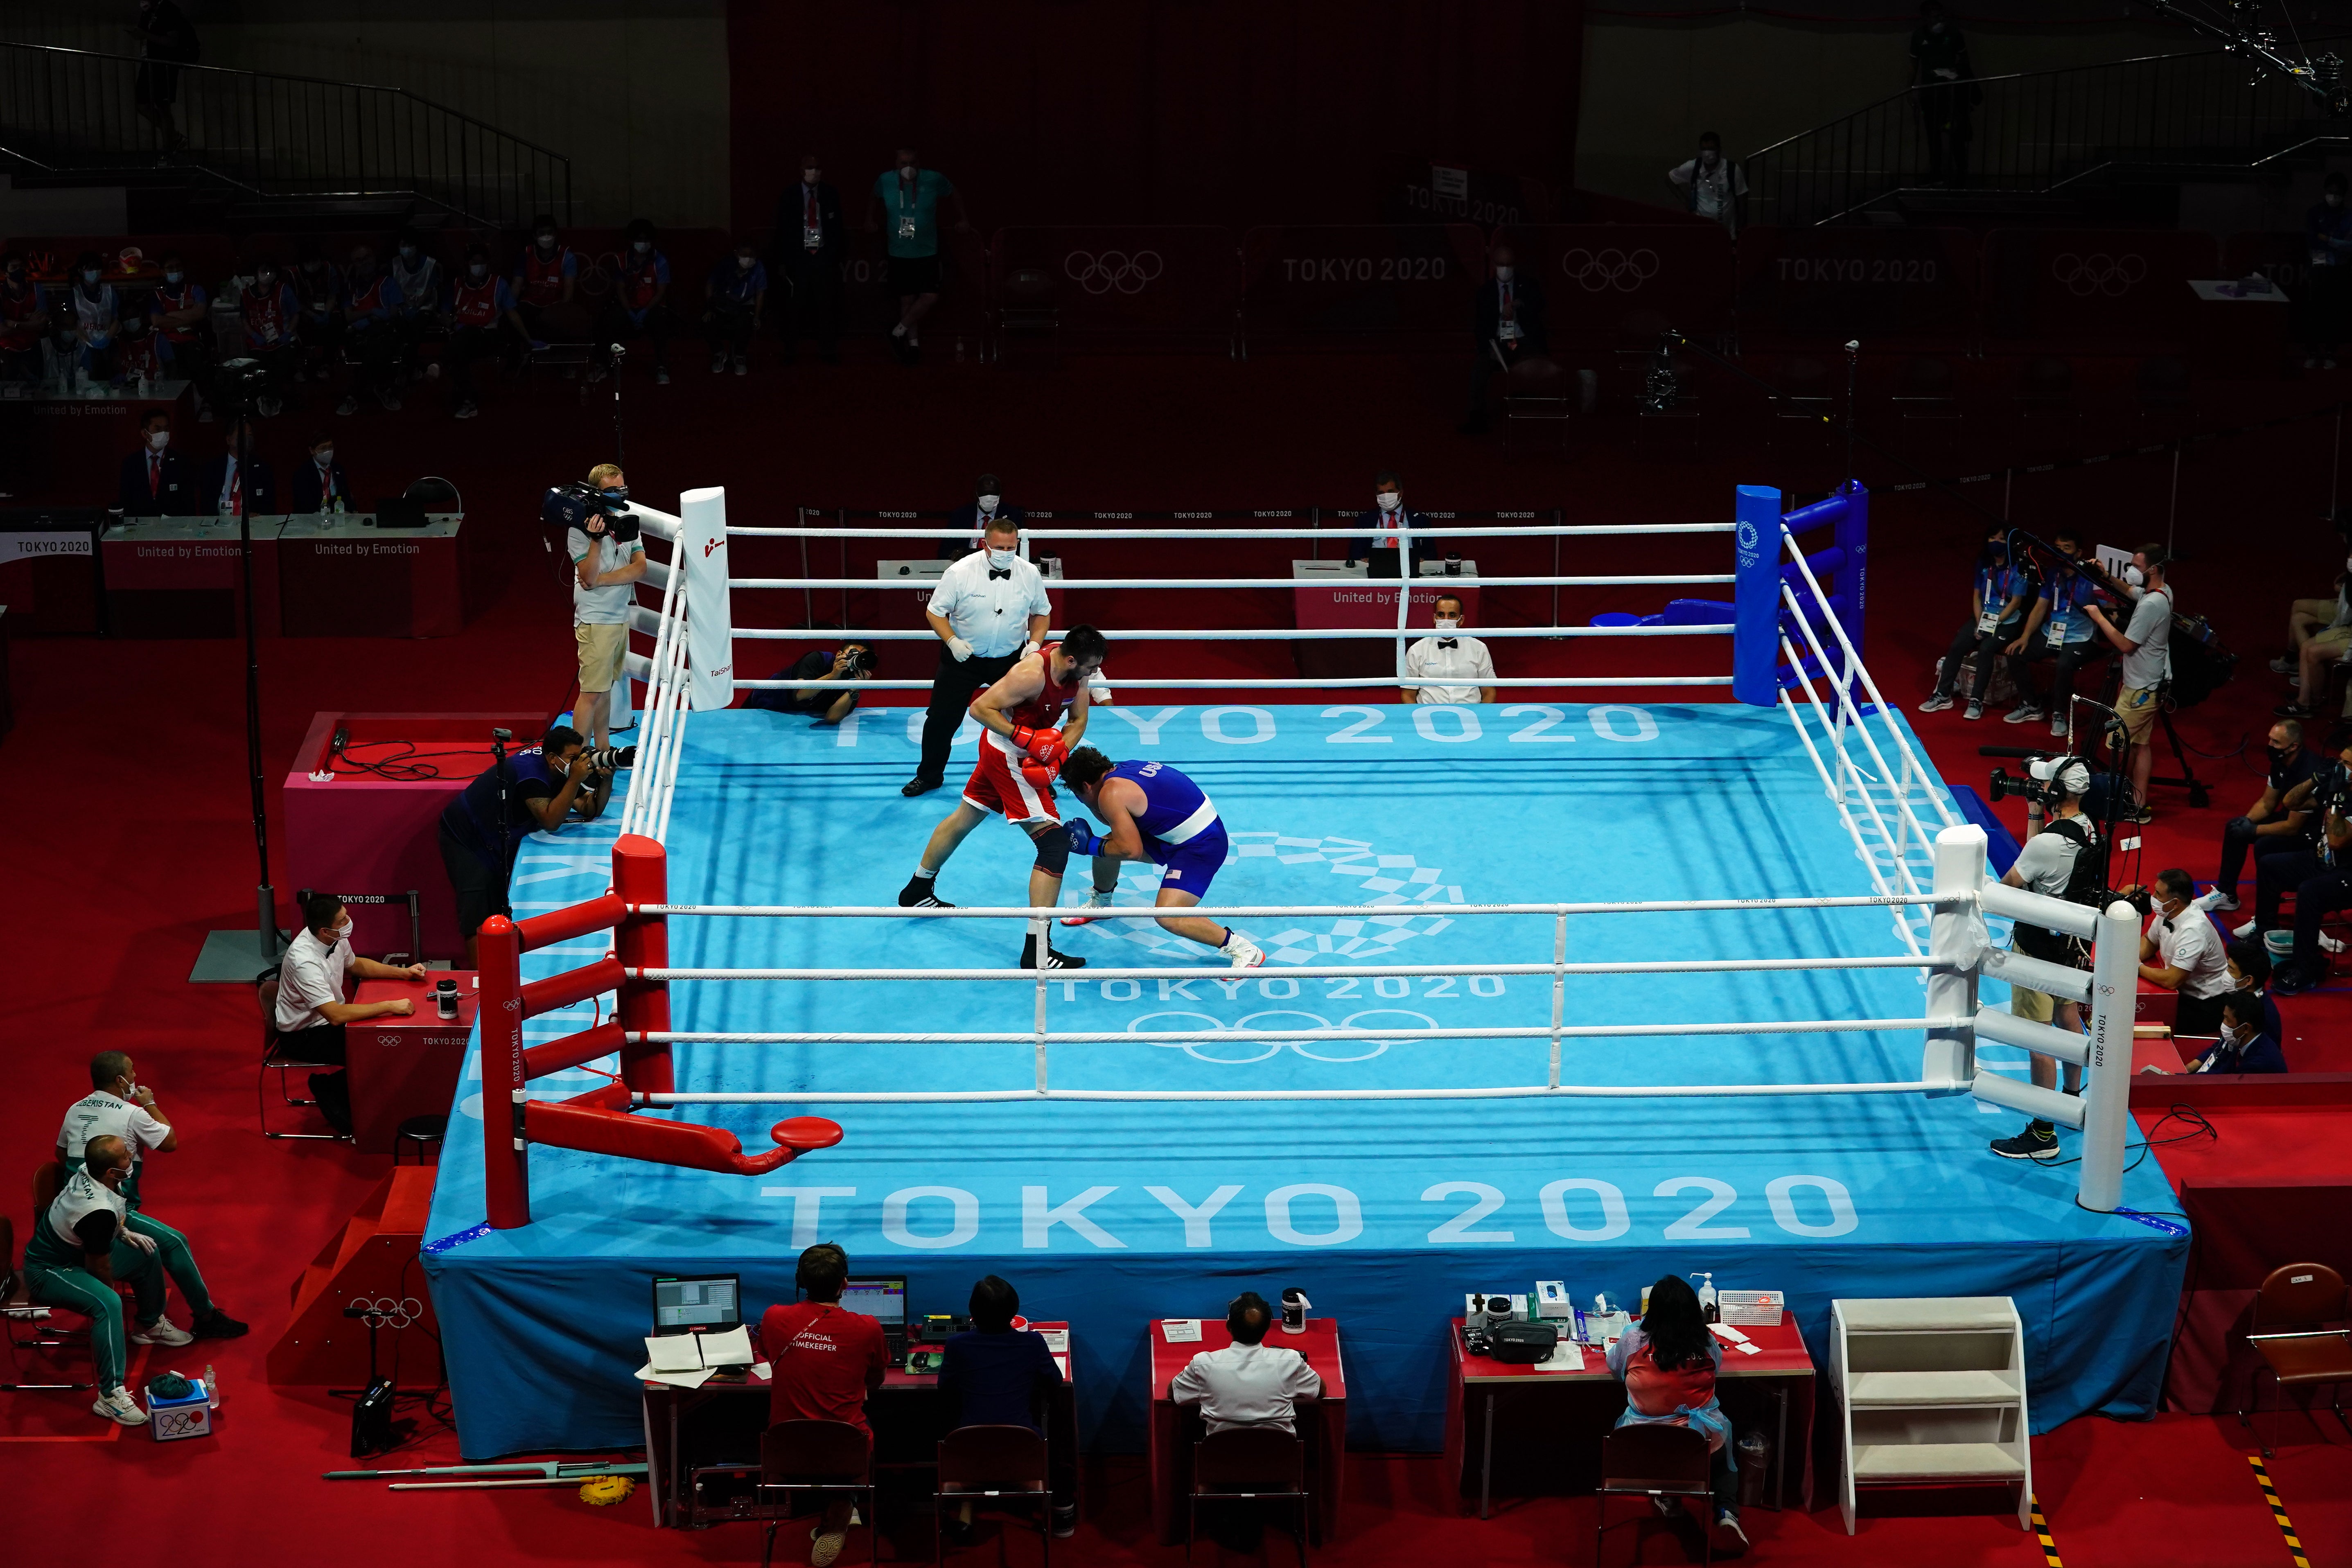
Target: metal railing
[
  {"x": 79, "y": 111},
  {"x": 2039, "y": 133}
]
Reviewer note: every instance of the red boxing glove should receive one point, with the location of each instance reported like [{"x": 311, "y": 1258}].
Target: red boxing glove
[
  {"x": 1053, "y": 756},
  {"x": 1040, "y": 775},
  {"x": 1036, "y": 743}
]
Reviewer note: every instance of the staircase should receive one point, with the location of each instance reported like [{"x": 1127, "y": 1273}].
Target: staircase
[
  {"x": 371, "y": 1263},
  {"x": 2112, "y": 141},
  {"x": 265, "y": 150}
]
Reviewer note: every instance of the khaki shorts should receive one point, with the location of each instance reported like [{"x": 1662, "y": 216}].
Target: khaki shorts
[
  {"x": 2338, "y": 638},
  {"x": 2034, "y": 1006},
  {"x": 2136, "y": 706},
  {"x": 602, "y": 651}
]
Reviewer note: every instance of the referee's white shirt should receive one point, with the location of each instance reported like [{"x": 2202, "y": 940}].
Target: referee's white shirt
[
  {"x": 992, "y": 615},
  {"x": 1467, "y": 660}
]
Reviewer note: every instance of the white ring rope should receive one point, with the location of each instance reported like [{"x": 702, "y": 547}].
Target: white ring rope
[
  {"x": 1338, "y": 529},
  {"x": 1303, "y": 971},
  {"x": 1300, "y": 682},
  {"x": 1689, "y": 579},
  {"x": 1531, "y": 1092},
  {"x": 1224, "y": 634},
  {"x": 1434, "y": 1032},
  {"x": 1302, "y": 912}
]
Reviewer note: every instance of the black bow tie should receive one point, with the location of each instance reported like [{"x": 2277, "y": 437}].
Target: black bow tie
[
  {"x": 993, "y": 573},
  {"x": 1447, "y": 642}
]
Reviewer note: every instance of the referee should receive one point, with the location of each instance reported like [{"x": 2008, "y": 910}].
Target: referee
[{"x": 988, "y": 609}]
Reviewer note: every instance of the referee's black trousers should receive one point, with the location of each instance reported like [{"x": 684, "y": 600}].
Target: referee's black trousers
[{"x": 952, "y": 693}]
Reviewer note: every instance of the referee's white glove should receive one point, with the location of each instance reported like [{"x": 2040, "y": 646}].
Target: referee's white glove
[
  {"x": 961, "y": 648},
  {"x": 1032, "y": 646}
]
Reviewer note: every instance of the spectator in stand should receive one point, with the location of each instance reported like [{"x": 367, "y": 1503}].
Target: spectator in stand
[
  {"x": 2318, "y": 632},
  {"x": 2182, "y": 951},
  {"x": 905, "y": 206},
  {"x": 994, "y": 1374},
  {"x": 239, "y": 472},
  {"x": 546, "y": 276},
  {"x": 137, "y": 359},
  {"x": 479, "y": 301},
  {"x": 166, "y": 42},
  {"x": 639, "y": 309},
  {"x": 23, "y": 323},
  {"x": 318, "y": 484},
  {"x": 605, "y": 573},
  {"x": 155, "y": 481},
  {"x": 273, "y": 330},
  {"x": 1378, "y": 543},
  {"x": 2327, "y": 280},
  {"x": 737, "y": 293},
  {"x": 2146, "y": 643},
  {"x": 181, "y": 312},
  {"x": 97, "y": 316},
  {"x": 1711, "y": 184},
  {"x": 828, "y": 697},
  {"x": 825, "y": 1361},
  {"x": 541, "y": 787},
  {"x": 1944, "y": 88},
  {"x": 371, "y": 332},
  {"x": 808, "y": 260},
  {"x": 2321, "y": 878},
  {"x": 975, "y": 515},
  {"x": 2278, "y": 818},
  {"x": 1507, "y": 323},
  {"x": 2055, "y": 628},
  {"x": 1463, "y": 665},
  {"x": 318, "y": 294},
  {"x": 423, "y": 297},
  {"x": 1996, "y": 609}
]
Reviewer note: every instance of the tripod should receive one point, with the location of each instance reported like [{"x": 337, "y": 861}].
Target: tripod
[{"x": 2198, "y": 796}]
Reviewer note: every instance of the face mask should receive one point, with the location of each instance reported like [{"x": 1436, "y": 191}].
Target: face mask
[
  {"x": 1001, "y": 559},
  {"x": 990, "y": 503},
  {"x": 1505, "y": 273},
  {"x": 547, "y": 242},
  {"x": 642, "y": 246},
  {"x": 1388, "y": 501},
  {"x": 1937, "y": 28},
  {"x": 89, "y": 277},
  {"x": 159, "y": 439},
  {"x": 809, "y": 176},
  {"x": 408, "y": 253},
  {"x": 324, "y": 456},
  {"x": 173, "y": 278},
  {"x": 744, "y": 262},
  {"x": 264, "y": 280},
  {"x": 905, "y": 171},
  {"x": 1709, "y": 157},
  {"x": 480, "y": 269},
  {"x": 1449, "y": 623},
  {"x": 2134, "y": 577},
  {"x": 340, "y": 934}
]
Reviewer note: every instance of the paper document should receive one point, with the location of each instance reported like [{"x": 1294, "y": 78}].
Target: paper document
[
  {"x": 1727, "y": 1333},
  {"x": 732, "y": 1347},
  {"x": 696, "y": 1352},
  {"x": 1056, "y": 1339},
  {"x": 1566, "y": 1355},
  {"x": 695, "y": 1378},
  {"x": 1062, "y": 1365},
  {"x": 1181, "y": 1330}
]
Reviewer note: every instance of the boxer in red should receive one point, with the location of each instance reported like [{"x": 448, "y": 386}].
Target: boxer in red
[{"x": 1021, "y": 753}]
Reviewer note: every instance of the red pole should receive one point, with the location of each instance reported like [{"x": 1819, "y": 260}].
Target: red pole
[
  {"x": 641, "y": 876},
  {"x": 506, "y": 1161}
]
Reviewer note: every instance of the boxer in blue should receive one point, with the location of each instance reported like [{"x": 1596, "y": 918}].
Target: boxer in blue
[{"x": 1151, "y": 812}]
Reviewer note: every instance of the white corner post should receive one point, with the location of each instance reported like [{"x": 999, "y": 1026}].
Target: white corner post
[
  {"x": 1956, "y": 946},
  {"x": 2106, "y": 1114},
  {"x": 711, "y": 626}
]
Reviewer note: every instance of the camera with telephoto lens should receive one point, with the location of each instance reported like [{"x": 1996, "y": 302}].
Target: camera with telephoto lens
[
  {"x": 857, "y": 661},
  {"x": 571, "y": 505},
  {"x": 2040, "y": 782},
  {"x": 611, "y": 759}
]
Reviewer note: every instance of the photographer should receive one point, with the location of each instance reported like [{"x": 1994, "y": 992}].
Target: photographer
[
  {"x": 2277, "y": 819},
  {"x": 2065, "y": 860},
  {"x": 2146, "y": 643},
  {"x": 605, "y": 568},
  {"x": 2181, "y": 952},
  {"x": 2321, "y": 876},
  {"x": 2056, "y": 628},
  {"x": 1997, "y": 606},
  {"x": 822, "y": 698},
  {"x": 542, "y": 786}
]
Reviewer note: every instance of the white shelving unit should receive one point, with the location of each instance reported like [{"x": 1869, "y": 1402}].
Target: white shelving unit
[{"x": 1931, "y": 1391}]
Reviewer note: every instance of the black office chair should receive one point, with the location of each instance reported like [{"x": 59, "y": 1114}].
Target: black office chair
[{"x": 1239, "y": 1462}]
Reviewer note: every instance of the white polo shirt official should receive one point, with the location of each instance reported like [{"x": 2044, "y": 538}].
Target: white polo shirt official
[
  {"x": 2190, "y": 944},
  {"x": 990, "y": 613},
  {"x": 1467, "y": 660},
  {"x": 1246, "y": 1386},
  {"x": 311, "y": 974}
]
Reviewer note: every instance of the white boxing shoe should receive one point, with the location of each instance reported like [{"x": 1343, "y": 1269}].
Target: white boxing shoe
[
  {"x": 1098, "y": 900},
  {"x": 1242, "y": 952}
]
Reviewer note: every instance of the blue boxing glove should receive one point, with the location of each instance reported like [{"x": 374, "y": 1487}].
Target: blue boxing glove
[{"x": 1084, "y": 840}]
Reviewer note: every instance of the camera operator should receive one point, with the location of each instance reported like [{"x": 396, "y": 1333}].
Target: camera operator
[
  {"x": 2320, "y": 875},
  {"x": 2182, "y": 951},
  {"x": 823, "y": 698},
  {"x": 1997, "y": 602},
  {"x": 605, "y": 569},
  {"x": 542, "y": 786},
  {"x": 2061, "y": 859},
  {"x": 2276, "y": 820},
  {"x": 2058, "y": 628},
  {"x": 2146, "y": 643}
]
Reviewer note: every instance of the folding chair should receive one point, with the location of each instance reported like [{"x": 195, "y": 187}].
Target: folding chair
[
  {"x": 989, "y": 1463},
  {"x": 273, "y": 1054},
  {"x": 820, "y": 1456},
  {"x": 1248, "y": 1462},
  {"x": 1652, "y": 1461},
  {"x": 2290, "y": 1308}
]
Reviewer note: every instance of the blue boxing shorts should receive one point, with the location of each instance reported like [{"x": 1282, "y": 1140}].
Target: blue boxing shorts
[{"x": 1193, "y": 865}]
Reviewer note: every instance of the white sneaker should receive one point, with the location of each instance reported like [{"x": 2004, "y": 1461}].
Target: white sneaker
[
  {"x": 161, "y": 1333},
  {"x": 2025, "y": 715},
  {"x": 2329, "y": 944},
  {"x": 1097, "y": 900},
  {"x": 2244, "y": 932},
  {"x": 2216, "y": 900},
  {"x": 116, "y": 1405},
  {"x": 2281, "y": 666},
  {"x": 1244, "y": 953},
  {"x": 1975, "y": 711},
  {"x": 824, "y": 1545}
]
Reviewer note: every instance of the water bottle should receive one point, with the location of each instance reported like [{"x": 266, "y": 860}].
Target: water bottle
[
  {"x": 1754, "y": 1451},
  {"x": 212, "y": 1388}
]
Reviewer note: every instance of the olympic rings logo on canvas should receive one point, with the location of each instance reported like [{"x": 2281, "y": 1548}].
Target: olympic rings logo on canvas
[
  {"x": 2098, "y": 273},
  {"x": 1599, "y": 271},
  {"x": 1113, "y": 269}
]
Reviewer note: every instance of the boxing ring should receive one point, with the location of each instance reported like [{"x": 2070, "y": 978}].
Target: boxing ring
[{"x": 1467, "y": 1072}]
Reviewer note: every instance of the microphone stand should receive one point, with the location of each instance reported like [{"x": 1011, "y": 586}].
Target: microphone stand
[
  {"x": 620, "y": 447},
  {"x": 264, "y": 896}
]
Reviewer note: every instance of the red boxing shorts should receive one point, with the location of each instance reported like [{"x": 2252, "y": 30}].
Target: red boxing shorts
[{"x": 999, "y": 787}]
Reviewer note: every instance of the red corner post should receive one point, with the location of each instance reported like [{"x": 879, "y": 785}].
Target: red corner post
[
  {"x": 506, "y": 1161},
  {"x": 641, "y": 876}
]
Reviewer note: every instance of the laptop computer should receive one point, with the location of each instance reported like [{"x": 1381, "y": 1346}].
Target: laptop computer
[
  {"x": 399, "y": 511},
  {"x": 884, "y": 1298},
  {"x": 686, "y": 1304}
]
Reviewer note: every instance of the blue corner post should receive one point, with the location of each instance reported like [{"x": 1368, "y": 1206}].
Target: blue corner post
[
  {"x": 1756, "y": 619},
  {"x": 1853, "y": 548}
]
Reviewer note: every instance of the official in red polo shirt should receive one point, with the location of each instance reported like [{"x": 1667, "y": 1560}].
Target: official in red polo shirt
[{"x": 824, "y": 1360}]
